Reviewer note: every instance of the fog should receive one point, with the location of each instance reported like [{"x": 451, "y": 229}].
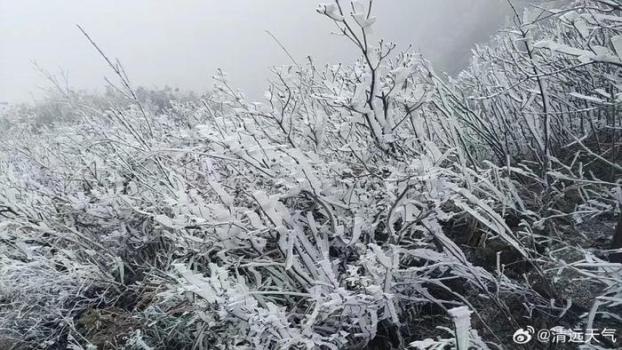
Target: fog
[{"x": 182, "y": 43}]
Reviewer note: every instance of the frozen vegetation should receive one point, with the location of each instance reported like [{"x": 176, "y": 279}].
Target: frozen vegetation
[{"x": 375, "y": 205}]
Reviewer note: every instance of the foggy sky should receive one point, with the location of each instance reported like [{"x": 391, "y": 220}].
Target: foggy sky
[{"x": 182, "y": 43}]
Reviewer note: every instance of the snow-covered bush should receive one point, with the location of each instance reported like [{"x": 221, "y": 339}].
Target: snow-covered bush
[{"x": 353, "y": 208}]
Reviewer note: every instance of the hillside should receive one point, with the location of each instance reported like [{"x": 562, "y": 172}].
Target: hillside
[{"x": 374, "y": 205}]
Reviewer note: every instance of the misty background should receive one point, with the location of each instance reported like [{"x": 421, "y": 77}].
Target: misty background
[{"x": 182, "y": 43}]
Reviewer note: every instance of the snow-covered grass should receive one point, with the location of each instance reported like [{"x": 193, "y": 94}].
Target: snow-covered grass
[{"x": 372, "y": 205}]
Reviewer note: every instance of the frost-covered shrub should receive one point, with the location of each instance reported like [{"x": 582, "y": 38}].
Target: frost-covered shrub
[{"x": 352, "y": 203}]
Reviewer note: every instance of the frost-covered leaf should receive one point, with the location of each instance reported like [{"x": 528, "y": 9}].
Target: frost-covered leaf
[{"x": 616, "y": 41}]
